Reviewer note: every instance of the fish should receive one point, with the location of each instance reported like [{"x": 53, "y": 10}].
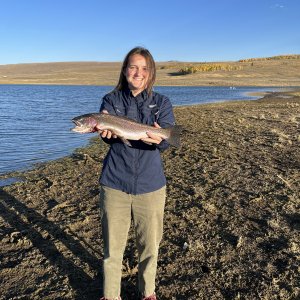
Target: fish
[{"x": 124, "y": 128}]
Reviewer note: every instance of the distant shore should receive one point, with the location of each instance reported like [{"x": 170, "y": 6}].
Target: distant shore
[{"x": 277, "y": 72}]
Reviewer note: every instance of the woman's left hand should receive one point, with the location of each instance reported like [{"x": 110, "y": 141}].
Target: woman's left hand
[{"x": 152, "y": 137}]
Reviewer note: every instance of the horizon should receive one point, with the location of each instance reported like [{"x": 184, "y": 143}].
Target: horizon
[
  {"x": 167, "y": 61},
  {"x": 194, "y": 31}
]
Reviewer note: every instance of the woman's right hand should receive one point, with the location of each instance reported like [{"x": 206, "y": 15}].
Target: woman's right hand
[{"x": 106, "y": 133}]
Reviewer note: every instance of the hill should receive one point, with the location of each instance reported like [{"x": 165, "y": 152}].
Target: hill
[{"x": 271, "y": 71}]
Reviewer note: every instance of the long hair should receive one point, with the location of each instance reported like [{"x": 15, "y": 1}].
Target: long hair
[{"x": 150, "y": 65}]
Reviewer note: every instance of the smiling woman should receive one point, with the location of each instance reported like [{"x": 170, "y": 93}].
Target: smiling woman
[
  {"x": 138, "y": 71},
  {"x": 137, "y": 74},
  {"x": 133, "y": 184}
]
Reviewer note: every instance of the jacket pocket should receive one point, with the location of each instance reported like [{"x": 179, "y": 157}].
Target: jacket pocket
[
  {"x": 150, "y": 114},
  {"x": 120, "y": 111}
]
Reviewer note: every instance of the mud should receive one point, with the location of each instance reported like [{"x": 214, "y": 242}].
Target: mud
[{"x": 232, "y": 217}]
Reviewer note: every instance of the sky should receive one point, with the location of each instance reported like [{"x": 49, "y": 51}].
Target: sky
[{"x": 181, "y": 30}]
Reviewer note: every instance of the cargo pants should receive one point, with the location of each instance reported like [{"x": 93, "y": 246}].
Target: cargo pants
[{"x": 117, "y": 209}]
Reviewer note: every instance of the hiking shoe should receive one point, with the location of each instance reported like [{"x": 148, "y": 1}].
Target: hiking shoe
[{"x": 152, "y": 297}]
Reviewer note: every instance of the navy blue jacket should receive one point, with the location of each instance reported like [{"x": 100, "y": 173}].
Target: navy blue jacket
[{"x": 137, "y": 169}]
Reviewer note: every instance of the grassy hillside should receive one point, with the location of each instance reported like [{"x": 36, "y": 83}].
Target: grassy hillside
[{"x": 270, "y": 71}]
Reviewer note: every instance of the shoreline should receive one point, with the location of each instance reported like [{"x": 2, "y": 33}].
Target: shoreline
[
  {"x": 10, "y": 175},
  {"x": 13, "y": 175}
]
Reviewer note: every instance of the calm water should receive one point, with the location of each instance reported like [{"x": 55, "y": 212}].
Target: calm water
[{"x": 35, "y": 119}]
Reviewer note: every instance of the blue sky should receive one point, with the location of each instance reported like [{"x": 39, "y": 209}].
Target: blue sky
[{"x": 184, "y": 30}]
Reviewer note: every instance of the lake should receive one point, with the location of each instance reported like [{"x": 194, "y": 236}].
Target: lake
[{"x": 35, "y": 120}]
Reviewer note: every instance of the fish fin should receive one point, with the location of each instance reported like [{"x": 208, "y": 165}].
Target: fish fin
[
  {"x": 125, "y": 141},
  {"x": 174, "y": 138}
]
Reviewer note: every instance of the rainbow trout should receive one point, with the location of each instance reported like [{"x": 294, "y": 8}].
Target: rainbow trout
[{"x": 124, "y": 128}]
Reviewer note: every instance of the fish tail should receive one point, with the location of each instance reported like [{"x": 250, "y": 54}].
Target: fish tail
[{"x": 174, "y": 138}]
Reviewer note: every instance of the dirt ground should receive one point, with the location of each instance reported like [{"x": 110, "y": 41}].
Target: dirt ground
[{"x": 232, "y": 217}]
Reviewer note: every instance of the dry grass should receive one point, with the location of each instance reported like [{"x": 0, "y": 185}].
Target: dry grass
[
  {"x": 263, "y": 72},
  {"x": 194, "y": 68}
]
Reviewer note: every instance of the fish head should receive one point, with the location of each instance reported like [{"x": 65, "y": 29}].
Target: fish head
[{"x": 84, "y": 124}]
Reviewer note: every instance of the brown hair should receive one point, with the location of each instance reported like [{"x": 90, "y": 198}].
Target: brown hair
[{"x": 150, "y": 64}]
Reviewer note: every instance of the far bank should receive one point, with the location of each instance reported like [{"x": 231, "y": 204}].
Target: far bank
[{"x": 268, "y": 72}]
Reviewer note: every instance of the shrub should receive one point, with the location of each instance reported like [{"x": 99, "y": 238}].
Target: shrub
[{"x": 208, "y": 68}]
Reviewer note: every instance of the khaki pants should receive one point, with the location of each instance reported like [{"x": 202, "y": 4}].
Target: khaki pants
[{"x": 147, "y": 211}]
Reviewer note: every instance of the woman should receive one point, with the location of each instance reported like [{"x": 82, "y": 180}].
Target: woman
[{"x": 132, "y": 182}]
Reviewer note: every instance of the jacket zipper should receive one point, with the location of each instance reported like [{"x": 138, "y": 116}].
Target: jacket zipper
[{"x": 135, "y": 162}]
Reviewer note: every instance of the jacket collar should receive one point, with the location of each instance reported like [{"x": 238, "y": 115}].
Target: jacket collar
[{"x": 143, "y": 95}]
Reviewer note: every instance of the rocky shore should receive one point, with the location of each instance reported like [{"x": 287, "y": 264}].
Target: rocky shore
[{"x": 231, "y": 222}]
